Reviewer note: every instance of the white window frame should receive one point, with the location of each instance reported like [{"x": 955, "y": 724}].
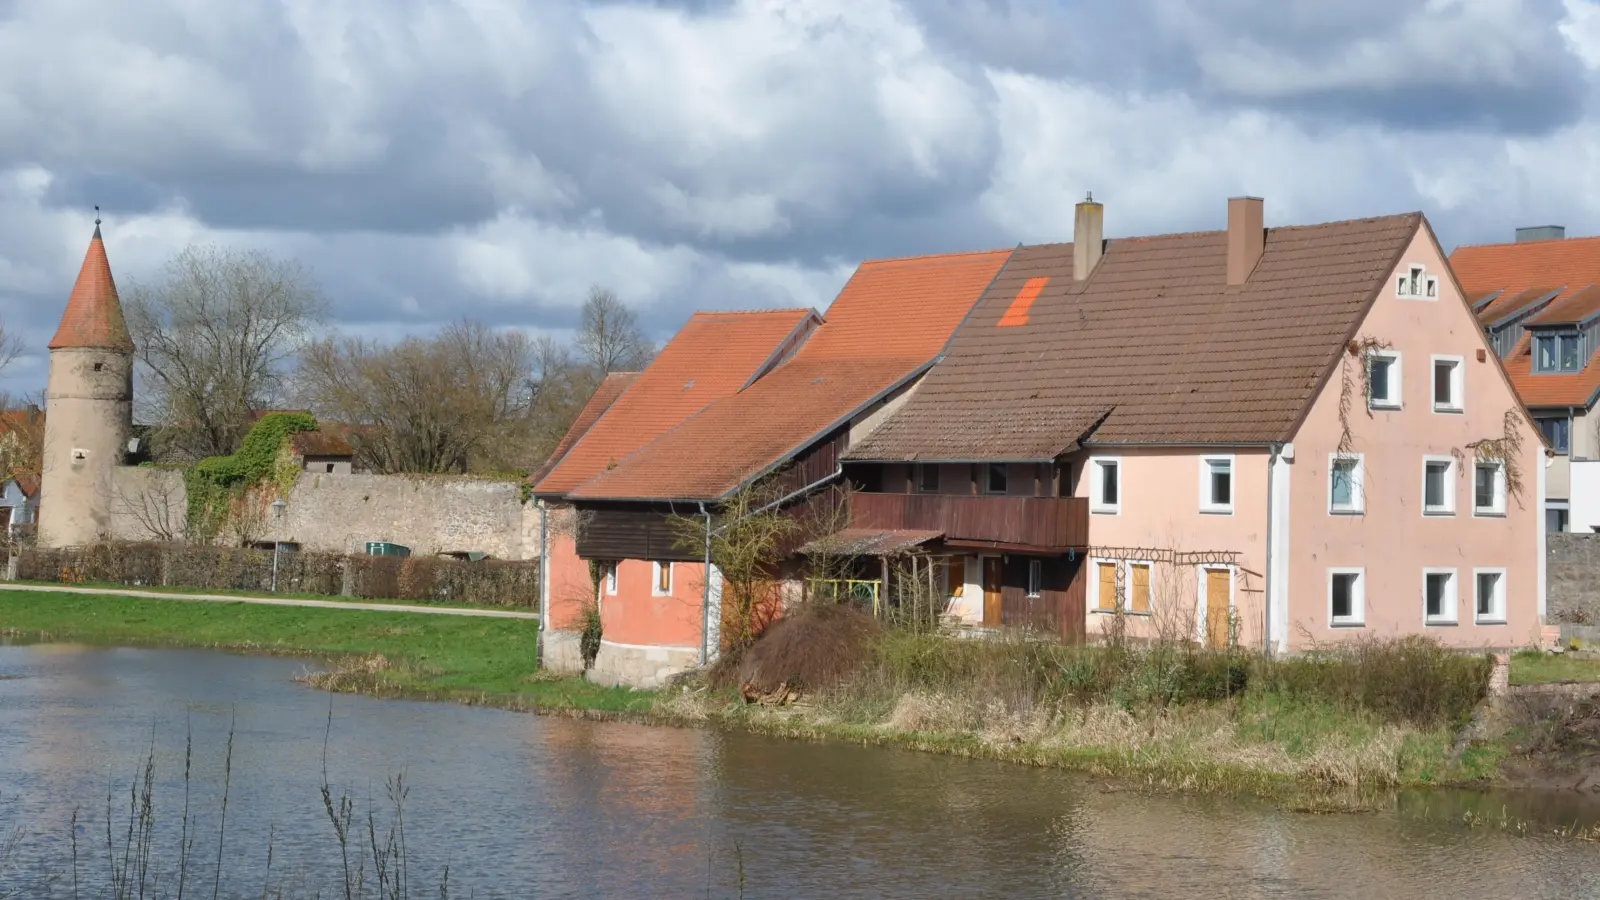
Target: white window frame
[
  {"x": 1358, "y": 602},
  {"x": 1449, "y": 507},
  {"x": 1396, "y": 396},
  {"x": 1092, "y": 601},
  {"x": 1097, "y": 502},
  {"x": 613, "y": 577},
  {"x": 655, "y": 578},
  {"x": 1206, "y": 503},
  {"x": 1498, "y": 507},
  {"x": 1497, "y": 615},
  {"x": 1035, "y": 577},
  {"x": 1202, "y": 590},
  {"x": 1427, "y": 285},
  {"x": 1451, "y": 612},
  {"x": 1458, "y": 385},
  {"x": 1358, "y": 488}
]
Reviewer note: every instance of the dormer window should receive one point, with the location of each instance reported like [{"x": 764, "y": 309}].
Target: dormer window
[
  {"x": 1415, "y": 283},
  {"x": 1556, "y": 353}
]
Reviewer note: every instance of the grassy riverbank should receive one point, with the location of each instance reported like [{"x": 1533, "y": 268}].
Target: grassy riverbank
[
  {"x": 415, "y": 655},
  {"x": 1384, "y": 716}
]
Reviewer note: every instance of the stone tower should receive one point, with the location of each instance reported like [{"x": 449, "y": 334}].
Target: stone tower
[{"x": 89, "y": 407}]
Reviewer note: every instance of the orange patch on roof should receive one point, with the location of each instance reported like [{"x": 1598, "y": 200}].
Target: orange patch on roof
[
  {"x": 711, "y": 357},
  {"x": 1017, "y": 312}
]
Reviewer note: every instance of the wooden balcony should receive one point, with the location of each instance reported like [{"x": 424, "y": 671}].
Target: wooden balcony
[{"x": 1042, "y": 523}]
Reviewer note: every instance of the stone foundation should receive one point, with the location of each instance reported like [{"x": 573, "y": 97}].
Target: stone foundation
[
  {"x": 647, "y": 668},
  {"x": 561, "y": 652}
]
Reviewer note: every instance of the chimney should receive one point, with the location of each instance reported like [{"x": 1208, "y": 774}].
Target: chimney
[
  {"x": 1542, "y": 233},
  {"x": 1247, "y": 237},
  {"x": 1088, "y": 237}
]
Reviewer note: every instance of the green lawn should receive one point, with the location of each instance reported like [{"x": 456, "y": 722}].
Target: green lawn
[
  {"x": 1531, "y": 667},
  {"x": 466, "y": 658}
]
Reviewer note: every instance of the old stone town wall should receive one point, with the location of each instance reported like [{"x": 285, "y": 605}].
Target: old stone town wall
[{"x": 341, "y": 513}]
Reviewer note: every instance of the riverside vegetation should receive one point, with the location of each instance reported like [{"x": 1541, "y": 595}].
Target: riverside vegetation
[{"x": 1364, "y": 716}]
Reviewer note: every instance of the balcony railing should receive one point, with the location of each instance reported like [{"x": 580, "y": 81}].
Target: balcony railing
[{"x": 1043, "y": 522}]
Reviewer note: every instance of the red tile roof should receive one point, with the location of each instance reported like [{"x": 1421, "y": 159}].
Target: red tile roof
[
  {"x": 890, "y": 321},
  {"x": 711, "y": 357},
  {"x": 610, "y": 388},
  {"x": 1154, "y": 347},
  {"x": 1526, "y": 272},
  {"x": 93, "y": 317}
]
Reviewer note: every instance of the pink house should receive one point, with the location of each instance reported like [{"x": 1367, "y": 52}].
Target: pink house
[{"x": 1275, "y": 437}]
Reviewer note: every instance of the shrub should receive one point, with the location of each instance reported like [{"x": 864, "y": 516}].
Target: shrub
[
  {"x": 816, "y": 647},
  {"x": 589, "y": 638},
  {"x": 208, "y": 567},
  {"x": 1410, "y": 679}
]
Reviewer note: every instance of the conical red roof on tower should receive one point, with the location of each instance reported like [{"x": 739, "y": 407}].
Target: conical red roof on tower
[{"x": 94, "y": 314}]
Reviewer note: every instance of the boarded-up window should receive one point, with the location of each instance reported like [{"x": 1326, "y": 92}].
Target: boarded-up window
[
  {"x": 1139, "y": 587},
  {"x": 663, "y": 578},
  {"x": 957, "y": 575},
  {"x": 1107, "y": 598}
]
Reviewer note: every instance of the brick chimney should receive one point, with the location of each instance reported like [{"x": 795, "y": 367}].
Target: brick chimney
[
  {"x": 1088, "y": 237},
  {"x": 1247, "y": 237}
]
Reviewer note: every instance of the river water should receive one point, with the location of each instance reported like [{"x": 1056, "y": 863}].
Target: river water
[{"x": 521, "y": 806}]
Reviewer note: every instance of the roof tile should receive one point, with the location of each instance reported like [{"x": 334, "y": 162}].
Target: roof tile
[
  {"x": 93, "y": 317},
  {"x": 610, "y": 388}
]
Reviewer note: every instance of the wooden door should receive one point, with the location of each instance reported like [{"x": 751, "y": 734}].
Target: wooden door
[
  {"x": 1219, "y": 585},
  {"x": 992, "y": 582}
]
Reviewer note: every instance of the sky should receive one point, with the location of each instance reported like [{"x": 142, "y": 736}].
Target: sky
[{"x": 434, "y": 159}]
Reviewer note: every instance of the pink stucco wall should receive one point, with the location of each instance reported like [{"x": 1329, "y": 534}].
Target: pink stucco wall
[
  {"x": 568, "y": 576},
  {"x": 1161, "y": 510},
  {"x": 1393, "y": 540},
  {"x": 637, "y": 616}
]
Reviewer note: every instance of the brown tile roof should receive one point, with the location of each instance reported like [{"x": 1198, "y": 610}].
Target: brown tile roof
[
  {"x": 328, "y": 439},
  {"x": 610, "y": 388},
  {"x": 890, "y": 321},
  {"x": 93, "y": 317},
  {"x": 1154, "y": 346},
  {"x": 711, "y": 357}
]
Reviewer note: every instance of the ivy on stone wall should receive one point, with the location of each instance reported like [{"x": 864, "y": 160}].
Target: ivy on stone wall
[{"x": 215, "y": 483}]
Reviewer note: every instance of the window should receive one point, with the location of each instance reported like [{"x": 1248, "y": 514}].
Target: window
[
  {"x": 1489, "y": 597},
  {"x": 956, "y": 575},
  {"x": 1106, "y": 599},
  {"x": 1345, "y": 596},
  {"x": 1447, "y": 388},
  {"x": 1488, "y": 488},
  {"x": 1383, "y": 380},
  {"x": 330, "y": 467},
  {"x": 1555, "y": 517},
  {"x": 1558, "y": 432},
  {"x": 1438, "y": 486},
  {"x": 1417, "y": 284},
  {"x": 928, "y": 479},
  {"x": 997, "y": 479},
  {"x": 1216, "y": 484},
  {"x": 1105, "y": 490},
  {"x": 1439, "y": 596},
  {"x": 611, "y": 578},
  {"x": 1344, "y": 483},
  {"x": 1139, "y": 587},
  {"x": 663, "y": 585},
  {"x": 1035, "y": 577},
  {"x": 1557, "y": 353}
]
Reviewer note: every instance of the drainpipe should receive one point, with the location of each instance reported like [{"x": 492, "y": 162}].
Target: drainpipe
[
  {"x": 544, "y": 577},
  {"x": 705, "y": 601},
  {"x": 1266, "y": 619}
]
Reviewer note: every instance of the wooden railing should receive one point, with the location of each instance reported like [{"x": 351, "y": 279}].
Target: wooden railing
[{"x": 1047, "y": 522}]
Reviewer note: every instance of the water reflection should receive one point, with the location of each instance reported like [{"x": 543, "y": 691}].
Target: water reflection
[{"x": 519, "y": 806}]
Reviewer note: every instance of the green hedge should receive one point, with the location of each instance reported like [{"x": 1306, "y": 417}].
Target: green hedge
[{"x": 205, "y": 567}]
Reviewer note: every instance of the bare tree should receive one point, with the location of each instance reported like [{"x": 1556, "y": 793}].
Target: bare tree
[
  {"x": 456, "y": 402},
  {"x": 609, "y": 337},
  {"x": 21, "y": 435},
  {"x": 154, "y": 501},
  {"x": 213, "y": 335}
]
